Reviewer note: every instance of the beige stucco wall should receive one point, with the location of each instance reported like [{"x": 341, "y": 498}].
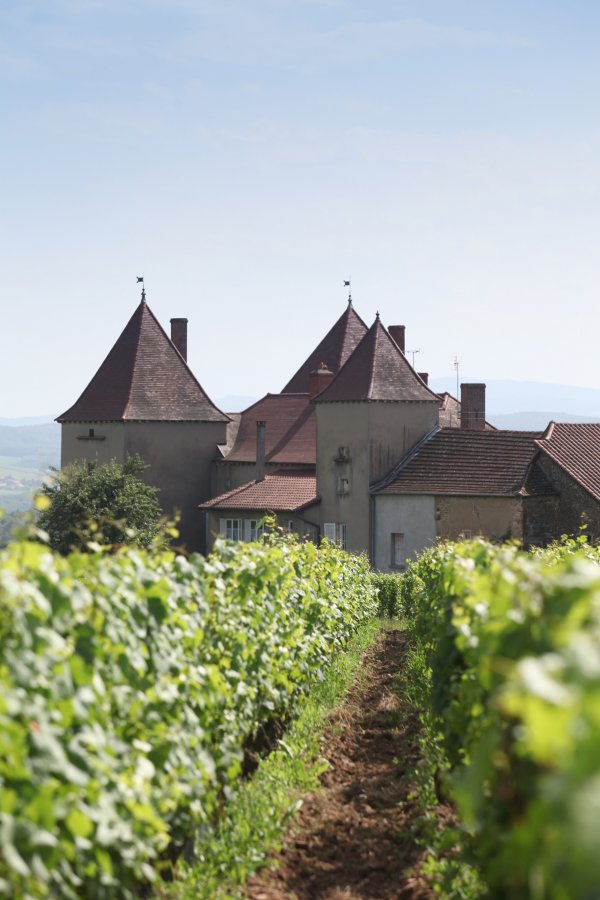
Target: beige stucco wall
[
  {"x": 111, "y": 443},
  {"x": 377, "y": 435},
  {"x": 407, "y": 514},
  {"x": 178, "y": 454},
  {"x": 492, "y": 517}
]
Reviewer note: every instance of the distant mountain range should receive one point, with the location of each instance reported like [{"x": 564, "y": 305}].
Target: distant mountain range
[{"x": 509, "y": 398}]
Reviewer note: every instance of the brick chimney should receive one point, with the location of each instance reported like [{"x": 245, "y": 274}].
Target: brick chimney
[
  {"x": 318, "y": 380},
  {"x": 424, "y": 376},
  {"x": 472, "y": 406},
  {"x": 397, "y": 332},
  {"x": 261, "y": 429},
  {"x": 179, "y": 335}
]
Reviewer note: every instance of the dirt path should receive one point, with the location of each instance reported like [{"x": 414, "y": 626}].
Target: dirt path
[{"x": 353, "y": 840}]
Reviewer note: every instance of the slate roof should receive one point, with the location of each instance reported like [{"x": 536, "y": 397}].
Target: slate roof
[
  {"x": 335, "y": 348},
  {"x": 575, "y": 447},
  {"x": 290, "y": 435},
  {"x": 143, "y": 378},
  {"x": 286, "y": 491},
  {"x": 377, "y": 370},
  {"x": 462, "y": 461}
]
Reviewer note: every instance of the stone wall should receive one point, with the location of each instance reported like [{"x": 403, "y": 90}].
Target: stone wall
[{"x": 573, "y": 504}]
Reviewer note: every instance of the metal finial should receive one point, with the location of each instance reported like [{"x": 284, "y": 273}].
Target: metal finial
[
  {"x": 140, "y": 278},
  {"x": 377, "y": 315}
]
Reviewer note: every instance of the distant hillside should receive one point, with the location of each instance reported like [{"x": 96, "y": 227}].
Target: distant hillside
[
  {"x": 26, "y": 454},
  {"x": 32, "y": 446}
]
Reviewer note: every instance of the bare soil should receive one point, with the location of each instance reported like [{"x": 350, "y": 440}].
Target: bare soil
[{"x": 354, "y": 839}]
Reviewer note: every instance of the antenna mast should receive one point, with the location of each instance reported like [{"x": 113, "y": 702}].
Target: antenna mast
[{"x": 456, "y": 365}]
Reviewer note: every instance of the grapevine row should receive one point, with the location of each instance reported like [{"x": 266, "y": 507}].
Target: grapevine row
[{"x": 130, "y": 684}]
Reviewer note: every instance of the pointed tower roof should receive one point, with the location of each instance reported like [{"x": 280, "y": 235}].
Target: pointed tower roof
[
  {"x": 143, "y": 378},
  {"x": 377, "y": 370},
  {"x": 335, "y": 348}
]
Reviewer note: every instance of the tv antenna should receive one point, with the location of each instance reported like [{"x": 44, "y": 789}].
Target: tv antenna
[
  {"x": 456, "y": 366},
  {"x": 414, "y": 353}
]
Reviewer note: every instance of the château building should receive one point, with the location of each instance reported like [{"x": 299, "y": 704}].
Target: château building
[{"x": 356, "y": 448}]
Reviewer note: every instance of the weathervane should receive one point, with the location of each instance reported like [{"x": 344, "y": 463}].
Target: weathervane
[
  {"x": 141, "y": 278},
  {"x": 347, "y": 284}
]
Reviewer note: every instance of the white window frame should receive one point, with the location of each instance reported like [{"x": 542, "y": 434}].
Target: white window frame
[
  {"x": 337, "y": 533},
  {"x": 232, "y": 529}
]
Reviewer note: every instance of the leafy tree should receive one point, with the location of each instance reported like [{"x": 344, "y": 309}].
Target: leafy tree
[{"x": 106, "y": 504}]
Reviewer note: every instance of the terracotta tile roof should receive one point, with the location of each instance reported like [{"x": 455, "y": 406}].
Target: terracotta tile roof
[
  {"x": 335, "y": 348},
  {"x": 280, "y": 492},
  {"x": 461, "y": 461},
  {"x": 143, "y": 378},
  {"x": 377, "y": 370},
  {"x": 575, "y": 447},
  {"x": 291, "y": 432}
]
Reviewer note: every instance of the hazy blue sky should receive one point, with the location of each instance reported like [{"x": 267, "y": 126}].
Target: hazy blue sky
[{"x": 246, "y": 156}]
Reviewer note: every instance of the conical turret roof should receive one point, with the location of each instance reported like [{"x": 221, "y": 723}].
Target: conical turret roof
[
  {"x": 377, "y": 370},
  {"x": 143, "y": 378},
  {"x": 335, "y": 348}
]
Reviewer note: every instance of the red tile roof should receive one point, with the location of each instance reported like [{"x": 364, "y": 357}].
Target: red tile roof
[
  {"x": 289, "y": 491},
  {"x": 462, "y": 461},
  {"x": 334, "y": 350},
  {"x": 575, "y": 447},
  {"x": 143, "y": 378},
  {"x": 377, "y": 370},
  {"x": 291, "y": 433}
]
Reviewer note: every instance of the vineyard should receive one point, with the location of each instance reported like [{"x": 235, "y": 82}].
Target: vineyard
[
  {"x": 506, "y": 671},
  {"x": 131, "y": 685},
  {"x": 139, "y": 689}
]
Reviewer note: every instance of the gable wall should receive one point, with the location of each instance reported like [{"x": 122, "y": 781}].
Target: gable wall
[{"x": 573, "y": 502}]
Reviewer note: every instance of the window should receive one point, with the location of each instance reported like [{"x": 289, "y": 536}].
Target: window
[
  {"x": 398, "y": 560},
  {"x": 253, "y": 529},
  {"x": 336, "y": 532},
  {"x": 290, "y": 526},
  {"x": 233, "y": 529}
]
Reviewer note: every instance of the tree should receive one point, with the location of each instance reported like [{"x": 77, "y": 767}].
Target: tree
[{"x": 107, "y": 504}]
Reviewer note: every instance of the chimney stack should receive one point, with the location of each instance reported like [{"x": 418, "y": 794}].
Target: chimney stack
[
  {"x": 318, "y": 380},
  {"x": 397, "y": 332},
  {"x": 261, "y": 428},
  {"x": 472, "y": 406},
  {"x": 179, "y": 335},
  {"x": 424, "y": 376}
]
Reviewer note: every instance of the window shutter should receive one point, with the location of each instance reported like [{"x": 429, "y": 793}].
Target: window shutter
[{"x": 329, "y": 531}]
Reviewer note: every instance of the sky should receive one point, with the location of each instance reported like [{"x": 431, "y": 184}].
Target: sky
[{"x": 248, "y": 156}]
